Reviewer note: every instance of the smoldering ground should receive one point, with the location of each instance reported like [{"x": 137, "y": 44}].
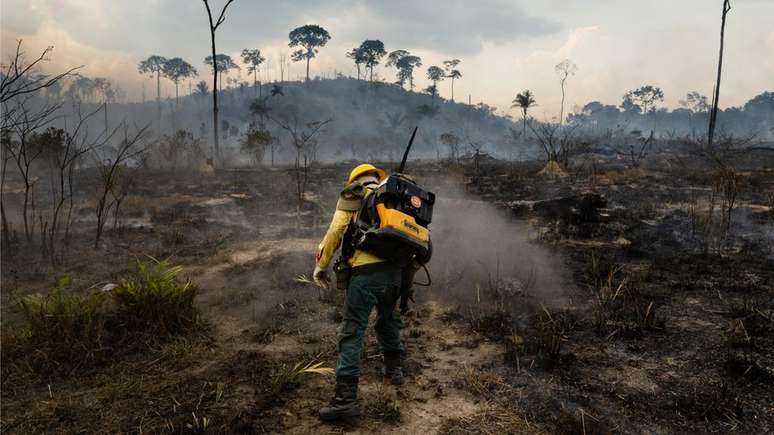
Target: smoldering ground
[{"x": 481, "y": 255}]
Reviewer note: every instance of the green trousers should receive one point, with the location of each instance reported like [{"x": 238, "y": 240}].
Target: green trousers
[{"x": 380, "y": 287}]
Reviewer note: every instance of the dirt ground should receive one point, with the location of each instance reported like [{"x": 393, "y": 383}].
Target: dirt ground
[{"x": 681, "y": 341}]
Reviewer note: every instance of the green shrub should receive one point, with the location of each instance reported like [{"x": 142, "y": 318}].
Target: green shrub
[
  {"x": 65, "y": 331},
  {"x": 65, "y": 326},
  {"x": 156, "y": 302}
]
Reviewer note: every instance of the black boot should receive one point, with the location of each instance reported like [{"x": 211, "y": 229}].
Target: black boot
[
  {"x": 392, "y": 368},
  {"x": 345, "y": 404}
]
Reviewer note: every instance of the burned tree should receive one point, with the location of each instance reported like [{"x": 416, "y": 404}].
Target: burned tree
[
  {"x": 303, "y": 136},
  {"x": 23, "y": 144},
  {"x": 213, "y": 28},
  {"x": 636, "y": 147},
  {"x": 19, "y": 77},
  {"x": 64, "y": 158},
  {"x": 110, "y": 170},
  {"x": 556, "y": 140},
  {"x": 716, "y": 91},
  {"x": 452, "y": 141},
  {"x": 564, "y": 69},
  {"x": 20, "y": 81}
]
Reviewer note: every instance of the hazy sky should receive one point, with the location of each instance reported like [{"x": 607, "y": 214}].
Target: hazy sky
[{"x": 505, "y": 46}]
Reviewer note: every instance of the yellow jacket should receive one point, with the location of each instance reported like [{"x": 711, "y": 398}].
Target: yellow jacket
[{"x": 346, "y": 210}]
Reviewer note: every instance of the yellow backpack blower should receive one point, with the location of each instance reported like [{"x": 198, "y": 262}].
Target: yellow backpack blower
[{"x": 393, "y": 220}]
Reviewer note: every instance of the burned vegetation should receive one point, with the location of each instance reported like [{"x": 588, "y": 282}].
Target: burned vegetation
[{"x": 609, "y": 271}]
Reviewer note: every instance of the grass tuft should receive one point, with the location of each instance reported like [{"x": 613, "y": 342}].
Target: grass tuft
[
  {"x": 157, "y": 302},
  {"x": 67, "y": 330},
  {"x": 619, "y": 308}
]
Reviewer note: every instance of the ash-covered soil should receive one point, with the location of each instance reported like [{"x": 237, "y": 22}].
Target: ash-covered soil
[{"x": 590, "y": 303}]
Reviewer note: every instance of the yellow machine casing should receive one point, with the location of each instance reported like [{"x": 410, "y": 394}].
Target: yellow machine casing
[{"x": 402, "y": 223}]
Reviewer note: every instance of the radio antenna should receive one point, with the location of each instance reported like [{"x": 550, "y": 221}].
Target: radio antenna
[{"x": 406, "y": 153}]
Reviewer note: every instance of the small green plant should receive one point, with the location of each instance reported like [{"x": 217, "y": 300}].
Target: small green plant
[
  {"x": 157, "y": 302},
  {"x": 67, "y": 330},
  {"x": 63, "y": 326}
]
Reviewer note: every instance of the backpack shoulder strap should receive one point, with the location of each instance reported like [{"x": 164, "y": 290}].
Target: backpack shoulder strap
[{"x": 351, "y": 198}]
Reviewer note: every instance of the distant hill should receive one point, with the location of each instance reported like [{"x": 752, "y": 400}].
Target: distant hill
[{"x": 368, "y": 120}]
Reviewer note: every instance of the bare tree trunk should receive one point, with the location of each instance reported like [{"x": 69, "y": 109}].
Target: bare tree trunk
[
  {"x": 70, "y": 204},
  {"x": 25, "y": 208},
  {"x": 716, "y": 91},
  {"x": 158, "y": 97},
  {"x": 524, "y": 125},
  {"x": 5, "y": 229},
  {"x": 307, "y": 67},
  {"x": 561, "y": 110},
  {"x": 116, "y": 211},
  {"x": 32, "y": 210},
  {"x": 452, "y": 86}
]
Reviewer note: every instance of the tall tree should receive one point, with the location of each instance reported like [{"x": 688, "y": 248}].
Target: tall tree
[
  {"x": 308, "y": 38},
  {"x": 105, "y": 87},
  {"x": 224, "y": 64},
  {"x": 154, "y": 65},
  {"x": 435, "y": 74},
  {"x": 695, "y": 102},
  {"x": 356, "y": 54},
  {"x": 406, "y": 65},
  {"x": 405, "y": 62},
  {"x": 392, "y": 60},
  {"x": 524, "y": 101},
  {"x": 202, "y": 88},
  {"x": 452, "y": 72},
  {"x": 176, "y": 69},
  {"x": 372, "y": 52},
  {"x": 565, "y": 69},
  {"x": 253, "y": 59},
  {"x": 283, "y": 60},
  {"x": 82, "y": 89},
  {"x": 716, "y": 92},
  {"x": 644, "y": 98},
  {"x": 214, "y": 27}
]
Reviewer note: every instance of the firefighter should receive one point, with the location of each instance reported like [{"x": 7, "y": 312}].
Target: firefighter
[{"x": 372, "y": 282}]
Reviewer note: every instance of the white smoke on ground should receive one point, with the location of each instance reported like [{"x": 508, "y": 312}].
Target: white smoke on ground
[{"x": 483, "y": 255}]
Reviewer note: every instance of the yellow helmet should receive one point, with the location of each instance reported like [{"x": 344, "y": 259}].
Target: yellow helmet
[{"x": 366, "y": 168}]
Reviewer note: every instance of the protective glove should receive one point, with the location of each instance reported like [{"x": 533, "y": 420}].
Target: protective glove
[{"x": 320, "y": 277}]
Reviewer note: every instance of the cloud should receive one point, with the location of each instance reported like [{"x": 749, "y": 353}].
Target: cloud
[
  {"x": 455, "y": 27},
  {"x": 505, "y": 45},
  {"x": 770, "y": 56}
]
